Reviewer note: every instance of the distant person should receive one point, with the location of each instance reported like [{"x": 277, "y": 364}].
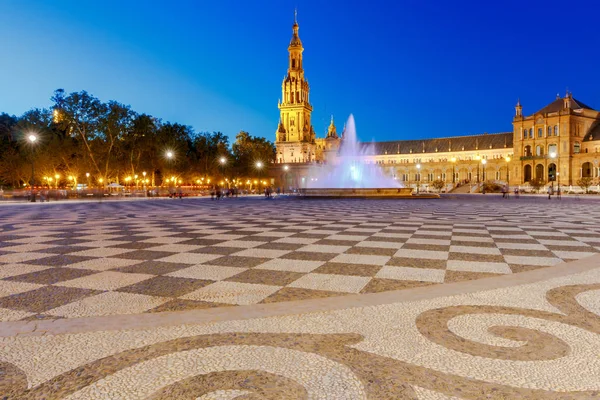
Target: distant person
[
  {"x": 550, "y": 192},
  {"x": 516, "y": 193},
  {"x": 558, "y": 192}
]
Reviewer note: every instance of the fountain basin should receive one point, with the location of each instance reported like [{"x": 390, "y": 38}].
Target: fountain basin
[{"x": 361, "y": 193}]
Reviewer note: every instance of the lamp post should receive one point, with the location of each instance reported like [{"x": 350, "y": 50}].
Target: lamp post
[
  {"x": 453, "y": 160},
  {"x": 32, "y": 139},
  {"x": 418, "y": 176},
  {"x": 286, "y": 168},
  {"x": 507, "y": 159},
  {"x": 553, "y": 156},
  {"x": 484, "y": 161},
  {"x": 144, "y": 180},
  {"x": 477, "y": 158}
]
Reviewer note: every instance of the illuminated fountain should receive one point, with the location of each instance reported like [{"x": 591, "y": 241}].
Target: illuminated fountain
[{"x": 351, "y": 176}]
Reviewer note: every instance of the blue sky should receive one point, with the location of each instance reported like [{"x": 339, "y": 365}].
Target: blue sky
[{"x": 405, "y": 69}]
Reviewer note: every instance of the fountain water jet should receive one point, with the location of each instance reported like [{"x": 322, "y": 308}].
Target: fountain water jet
[{"x": 351, "y": 176}]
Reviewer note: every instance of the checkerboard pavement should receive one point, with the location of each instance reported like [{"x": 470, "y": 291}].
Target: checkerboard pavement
[{"x": 78, "y": 260}]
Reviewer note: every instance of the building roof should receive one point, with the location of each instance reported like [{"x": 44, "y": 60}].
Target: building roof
[
  {"x": 486, "y": 141},
  {"x": 593, "y": 134},
  {"x": 558, "y": 104}
]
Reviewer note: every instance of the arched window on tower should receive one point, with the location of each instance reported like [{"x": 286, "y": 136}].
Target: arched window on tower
[{"x": 293, "y": 63}]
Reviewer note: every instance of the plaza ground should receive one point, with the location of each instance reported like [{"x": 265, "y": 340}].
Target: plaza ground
[{"x": 462, "y": 297}]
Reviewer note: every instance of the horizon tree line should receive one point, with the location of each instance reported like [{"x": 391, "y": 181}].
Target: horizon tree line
[{"x": 98, "y": 143}]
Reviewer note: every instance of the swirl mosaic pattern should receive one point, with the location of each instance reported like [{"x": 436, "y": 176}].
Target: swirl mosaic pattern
[{"x": 537, "y": 340}]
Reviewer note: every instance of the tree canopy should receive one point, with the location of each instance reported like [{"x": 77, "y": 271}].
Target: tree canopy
[{"x": 78, "y": 134}]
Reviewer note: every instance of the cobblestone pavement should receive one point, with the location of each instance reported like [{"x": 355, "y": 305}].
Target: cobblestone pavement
[
  {"x": 79, "y": 260},
  {"x": 532, "y": 330}
]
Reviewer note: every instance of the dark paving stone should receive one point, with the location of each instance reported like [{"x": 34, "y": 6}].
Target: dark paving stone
[
  {"x": 416, "y": 263},
  {"x": 216, "y": 250},
  {"x": 63, "y": 249},
  {"x": 290, "y": 294},
  {"x": 476, "y": 257},
  {"x": 45, "y": 298},
  {"x": 51, "y": 275},
  {"x": 136, "y": 245},
  {"x": 280, "y": 246},
  {"x": 238, "y": 261},
  {"x": 145, "y": 254},
  {"x": 200, "y": 242},
  {"x": 266, "y": 277},
  {"x": 377, "y": 285},
  {"x": 304, "y": 255},
  {"x": 348, "y": 269},
  {"x": 372, "y": 251},
  {"x": 152, "y": 268},
  {"x": 60, "y": 260},
  {"x": 185, "y": 305},
  {"x": 430, "y": 247},
  {"x": 459, "y": 276},
  {"x": 166, "y": 286}
]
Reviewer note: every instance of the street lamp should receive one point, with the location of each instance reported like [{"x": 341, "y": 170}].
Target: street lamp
[
  {"x": 169, "y": 154},
  {"x": 453, "y": 160},
  {"x": 32, "y": 139},
  {"x": 553, "y": 155},
  {"x": 57, "y": 176},
  {"x": 145, "y": 182},
  {"x": 484, "y": 161},
  {"x": 259, "y": 164},
  {"x": 507, "y": 159},
  {"x": 222, "y": 160},
  {"x": 477, "y": 158},
  {"x": 418, "y": 176}
]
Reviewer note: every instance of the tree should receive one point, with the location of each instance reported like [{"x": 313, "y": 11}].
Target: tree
[
  {"x": 585, "y": 183},
  {"x": 248, "y": 151},
  {"x": 208, "y": 149},
  {"x": 438, "y": 184},
  {"x": 80, "y": 114},
  {"x": 537, "y": 184}
]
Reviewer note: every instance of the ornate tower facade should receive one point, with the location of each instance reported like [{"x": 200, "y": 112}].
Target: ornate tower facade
[{"x": 295, "y": 136}]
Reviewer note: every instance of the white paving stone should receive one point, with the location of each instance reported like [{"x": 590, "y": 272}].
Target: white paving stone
[
  {"x": 190, "y": 258},
  {"x": 7, "y": 270},
  {"x": 474, "y": 250},
  {"x": 261, "y": 253},
  {"x": 361, "y": 259},
  {"x": 108, "y": 303},
  {"x": 282, "y": 264},
  {"x": 232, "y": 293},
  {"x": 527, "y": 260},
  {"x": 412, "y": 274},
  {"x": 331, "y": 282},
  {"x": 479, "y": 266},
  {"x": 103, "y": 264},
  {"x": 107, "y": 280},
  {"x": 8, "y": 288},
  {"x": 428, "y": 254},
  {"x": 207, "y": 271}
]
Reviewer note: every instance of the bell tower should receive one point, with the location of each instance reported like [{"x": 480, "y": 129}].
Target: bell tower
[{"x": 295, "y": 136}]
